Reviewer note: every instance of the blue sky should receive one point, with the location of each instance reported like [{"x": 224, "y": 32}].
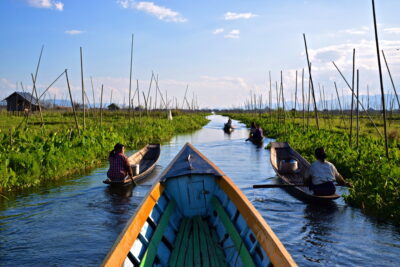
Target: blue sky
[{"x": 222, "y": 49}]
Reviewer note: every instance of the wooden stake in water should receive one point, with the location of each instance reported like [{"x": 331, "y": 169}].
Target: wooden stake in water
[{"x": 380, "y": 79}]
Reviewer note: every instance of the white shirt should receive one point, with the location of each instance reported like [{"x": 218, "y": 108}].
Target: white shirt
[{"x": 322, "y": 172}]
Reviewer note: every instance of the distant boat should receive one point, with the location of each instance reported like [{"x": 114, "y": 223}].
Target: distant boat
[
  {"x": 293, "y": 173},
  {"x": 143, "y": 163},
  {"x": 196, "y": 216},
  {"x": 228, "y": 128}
]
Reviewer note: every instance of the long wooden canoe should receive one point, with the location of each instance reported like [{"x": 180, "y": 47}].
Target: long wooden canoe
[
  {"x": 283, "y": 152},
  {"x": 147, "y": 158},
  {"x": 196, "y": 216}
]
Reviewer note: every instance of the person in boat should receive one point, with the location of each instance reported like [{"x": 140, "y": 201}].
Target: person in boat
[
  {"x": 257, "y": 134},
  {"x": 119, "y": 164},
  {"x": 321, "y": 175},
  {"x": 252, "y": 128},
  {"x": 229, "y": 123}
]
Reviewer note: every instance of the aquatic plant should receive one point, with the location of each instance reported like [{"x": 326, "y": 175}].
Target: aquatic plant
[{"x": 32, "y": 155}]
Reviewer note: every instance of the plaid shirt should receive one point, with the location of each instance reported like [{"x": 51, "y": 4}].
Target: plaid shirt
[{"x": 119, "y": 167}]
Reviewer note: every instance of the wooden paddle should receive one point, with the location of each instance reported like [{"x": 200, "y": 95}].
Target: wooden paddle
[
  {"x": 276, "y": 185},
  {"x": 284, "y": 185}
]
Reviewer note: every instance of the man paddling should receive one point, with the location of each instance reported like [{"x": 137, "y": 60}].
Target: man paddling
[{"x": 321, "y": 175}]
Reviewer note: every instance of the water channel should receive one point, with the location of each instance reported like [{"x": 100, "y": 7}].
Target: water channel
[{"x": 75, "y": 222}]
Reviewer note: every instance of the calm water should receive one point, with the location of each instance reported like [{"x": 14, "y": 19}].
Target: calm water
[{"x": 75, "y": 223}]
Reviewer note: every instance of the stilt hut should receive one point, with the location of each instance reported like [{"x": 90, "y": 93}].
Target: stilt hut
[{"x": 19, "y": 101}]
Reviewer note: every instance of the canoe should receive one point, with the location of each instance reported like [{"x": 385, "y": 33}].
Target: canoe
[
  {"x": 283, "y": 152},
  {"x": 147, "y": 158},
  {"x": 256, "y": 141},
  {"x": 227, "y": 128},
  {"x": 196, "y": 216}
]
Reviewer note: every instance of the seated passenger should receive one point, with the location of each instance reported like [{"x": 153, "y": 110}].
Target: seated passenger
[
  {"x": 321, "y": 174},
  {"x": 252, "y": 128},
  {"x": 119, "y": 165},
  {"x": 229, "y": 123},
  {"x": 257, "y": 134}
]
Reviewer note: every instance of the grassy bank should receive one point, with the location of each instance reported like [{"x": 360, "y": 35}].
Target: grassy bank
[
  {"x": 31, "y": 154},
  {"x": 376, "y": 179}
]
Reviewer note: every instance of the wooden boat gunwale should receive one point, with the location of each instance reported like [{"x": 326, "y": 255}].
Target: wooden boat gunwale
[
  {"x": 297, "y": 191},
  {"x": 267, "y": 239},
  {"x": 132, "y": 160}
]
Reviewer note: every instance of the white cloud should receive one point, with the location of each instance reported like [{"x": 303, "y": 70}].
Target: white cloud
[
  {"x": 73, "y": 32},
  {"x": 233, "y": 34},
  {"x": 357, "y": 31},
  {"x": 218, "y": 31},
  {"x": 59, "y": 6},
  {"x": 233, "y": 15},
  {"x": 160, "y": 12},
  {"x": 392, "y": 30},
  {"x": 124, "y": 3},
  {"x": 46, "y": 4}
]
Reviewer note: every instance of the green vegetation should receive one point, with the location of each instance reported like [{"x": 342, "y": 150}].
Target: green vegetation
[
  {"x": 31, "y": 154},
  {"x": 375, "y": 178}
]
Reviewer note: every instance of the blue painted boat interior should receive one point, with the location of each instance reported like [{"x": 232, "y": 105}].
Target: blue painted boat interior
[{"x": 193, "y": 194}]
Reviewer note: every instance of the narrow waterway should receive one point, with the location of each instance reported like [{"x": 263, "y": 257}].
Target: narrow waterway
[{"x": 75, "y": 223}]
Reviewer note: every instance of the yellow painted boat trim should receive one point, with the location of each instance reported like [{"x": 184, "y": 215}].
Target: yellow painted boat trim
[
  {"x": 277, "y": 253},
  {"x": 124, "y": 243}
]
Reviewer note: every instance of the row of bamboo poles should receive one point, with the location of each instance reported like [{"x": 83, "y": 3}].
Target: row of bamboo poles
[
  {"x": 257, "y": 104},
  {"x": 161, "y": 101}
]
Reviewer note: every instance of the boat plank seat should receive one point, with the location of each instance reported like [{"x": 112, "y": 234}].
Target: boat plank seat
[
  {"x": 195, "y": 245},
  {"x": 152, "y": 248},
  {"x": 233, "y": 233}
]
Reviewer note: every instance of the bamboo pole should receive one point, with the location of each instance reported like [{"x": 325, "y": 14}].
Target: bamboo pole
[
  {"x": 101, "y": 106},
  {"x": 283, "y": 103},
  {"x": 148, "y": 92},
  {"x": 37, "y": 70},
  {"x": 83, "y": 91},
  {"x": 380, "y": 79},
  {"x": 361, "y": 105},
  {"x": 130, "y": 79},
  {"x": 357, "y": 109},
  {"x": 138, "y": 97},
  {"x": 340, "y": 105},
  {"x": 302, "y": 93},
  {"x": 48, "y": 87},
  {"x": 72, "y": 102},
  {"x": 295, "y": 100},
  {"x": 311, "y": 81},
  {"x": 391, "y": 79},
  {"x": 94, "y": 101},
  {"x": 270, "y": 97},
  {"x": 308, "y": 104},
  {"x": 38, "y": 102},
  {"x": 352, "y": 99}
]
